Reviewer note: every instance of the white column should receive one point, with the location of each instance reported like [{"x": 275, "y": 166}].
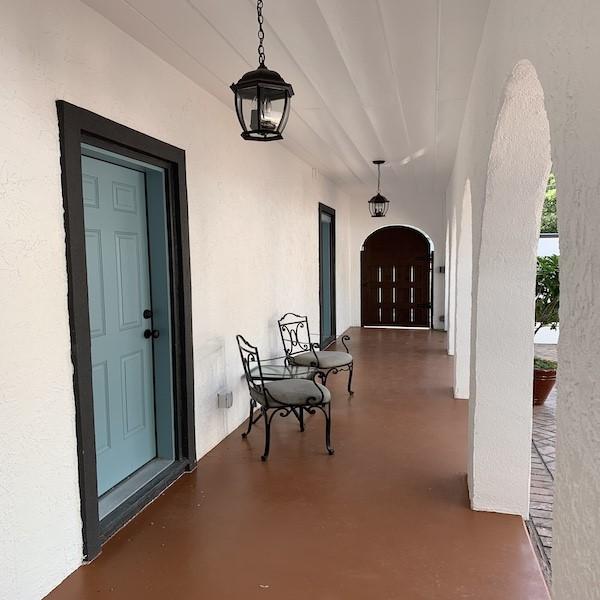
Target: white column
[
  {"x": 503, "y": 325},
  {"x": 464, "y": 274}
]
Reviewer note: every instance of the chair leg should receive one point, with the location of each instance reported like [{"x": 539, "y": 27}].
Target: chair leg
[
  {"x": 299, "y": 414},
  {"x": 265, "y": 414},
  {"x": 350, "y": 391},
  {"x": 250, "y": 420},
  {"x": 328, "y": 429}
]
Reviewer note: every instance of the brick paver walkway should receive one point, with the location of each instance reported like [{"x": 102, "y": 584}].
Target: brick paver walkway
[{"x": 543, "y": 460}]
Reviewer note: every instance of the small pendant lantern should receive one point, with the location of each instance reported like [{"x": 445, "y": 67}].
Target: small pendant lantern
[
  {"x": 378, "y": 204},
  {"x": 262, "y": 97}
]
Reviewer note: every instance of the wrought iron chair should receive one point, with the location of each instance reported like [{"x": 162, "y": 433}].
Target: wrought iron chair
[
  {"x": 283, "y": 396},
  {"x": 299, "y": 350}
]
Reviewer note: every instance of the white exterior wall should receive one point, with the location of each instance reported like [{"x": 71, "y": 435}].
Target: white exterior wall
[
  {"x": 254, "y": 255},
  {"x": 547, "y": 246},
  {"x": 561, "y": 41}
]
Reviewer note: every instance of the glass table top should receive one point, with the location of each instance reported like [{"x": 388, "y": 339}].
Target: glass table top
[{"x": 276, "y": 368}]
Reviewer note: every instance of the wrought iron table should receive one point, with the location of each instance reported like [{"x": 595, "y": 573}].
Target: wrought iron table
[{"x": 275, "y": 369}]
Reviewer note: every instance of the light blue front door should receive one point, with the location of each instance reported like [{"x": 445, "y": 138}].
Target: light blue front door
[{"x": 116, "y": 234}]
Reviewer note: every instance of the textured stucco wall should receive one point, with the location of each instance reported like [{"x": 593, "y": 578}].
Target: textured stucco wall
[
  {"x": 561, "y": 42},
  {"x": 254, "y": 253}
]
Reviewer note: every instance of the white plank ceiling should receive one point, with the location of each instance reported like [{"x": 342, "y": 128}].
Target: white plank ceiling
[{"x": 372, "y": 78}]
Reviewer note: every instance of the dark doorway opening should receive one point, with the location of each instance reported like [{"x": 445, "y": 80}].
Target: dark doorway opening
[
  {"x": 88, "y": 135},
  {"x": 327, "y": 274},
  {"x": 396, "y": 278}
]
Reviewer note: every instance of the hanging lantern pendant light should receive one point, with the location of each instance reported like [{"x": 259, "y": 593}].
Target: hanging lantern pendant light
[
  {"x": 378, "y": 204},
  {"x": 262, "y": 97}
]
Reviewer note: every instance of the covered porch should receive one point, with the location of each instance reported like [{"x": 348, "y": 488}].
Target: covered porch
[{"x": 387, "y": 516}]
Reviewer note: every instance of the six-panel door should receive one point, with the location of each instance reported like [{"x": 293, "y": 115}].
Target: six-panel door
[{"x": 116, "y": 233}]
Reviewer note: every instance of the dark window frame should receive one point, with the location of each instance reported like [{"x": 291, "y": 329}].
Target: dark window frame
[
  {"x": 323, "y": 208},
  {"x": 77, "y": 125}
]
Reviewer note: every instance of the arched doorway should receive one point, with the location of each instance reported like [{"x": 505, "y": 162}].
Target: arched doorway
[{"x": 396, "y": 278}]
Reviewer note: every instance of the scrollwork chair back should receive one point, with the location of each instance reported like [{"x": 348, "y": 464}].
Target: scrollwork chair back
[
  {"x": 251, "y": 360},
  {"x": 295, "y": 335}
]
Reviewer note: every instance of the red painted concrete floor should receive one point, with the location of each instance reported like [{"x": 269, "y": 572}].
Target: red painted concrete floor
[{"x": 386, "y": 517}]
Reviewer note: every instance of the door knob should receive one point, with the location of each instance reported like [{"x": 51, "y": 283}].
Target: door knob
[{"x": 151, "y": 333}]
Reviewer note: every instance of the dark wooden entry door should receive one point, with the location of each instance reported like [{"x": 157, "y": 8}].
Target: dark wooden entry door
[{"x": 396, "y": 264}]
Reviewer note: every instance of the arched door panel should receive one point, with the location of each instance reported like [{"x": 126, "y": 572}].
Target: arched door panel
[{"x": 396, "y": 265}]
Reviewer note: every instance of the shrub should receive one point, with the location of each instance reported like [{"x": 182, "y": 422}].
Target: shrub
[
  {"x": 547, "y": 292},
  {"x": 542, "y": 363},
  {"x": 549, "y": 220}
]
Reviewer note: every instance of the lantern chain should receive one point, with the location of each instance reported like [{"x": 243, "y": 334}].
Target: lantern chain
[
  {"x": 378, "y": 178},
  {"x": 261, "y": 33}
]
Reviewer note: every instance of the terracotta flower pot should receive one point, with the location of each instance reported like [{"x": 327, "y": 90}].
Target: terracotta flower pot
[{"x": 543, "y": 382}]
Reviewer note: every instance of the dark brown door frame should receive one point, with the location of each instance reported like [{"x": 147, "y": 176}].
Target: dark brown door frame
[
  {"x": 323, "y": 208},
  {"x": 76, "y": 126}
]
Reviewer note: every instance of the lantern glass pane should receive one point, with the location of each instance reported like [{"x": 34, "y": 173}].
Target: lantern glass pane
[
  {"x": 272, "y": 103},
  {"x": 240, "y": 111},
  {"x": 247, "y": 98},
  {"x": 286, "y": 114}
]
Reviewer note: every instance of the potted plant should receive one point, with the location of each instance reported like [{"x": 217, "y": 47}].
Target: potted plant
[
  {"x": 544, "y": 378},
  {"x": 546, "y": 315}
]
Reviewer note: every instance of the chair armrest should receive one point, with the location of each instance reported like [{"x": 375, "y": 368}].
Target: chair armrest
[{"x": 344, "y": 339}]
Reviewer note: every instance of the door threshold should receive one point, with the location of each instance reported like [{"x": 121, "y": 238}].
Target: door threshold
[
  {"x": 119, "y": 494},
  {"x": 421, "y": 327},
  {"x": 138, "y": 500}
]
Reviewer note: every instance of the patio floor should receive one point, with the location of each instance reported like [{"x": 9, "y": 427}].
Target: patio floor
[
  {"x": 386, "y": 517},
  {"x": 543, "y": 461}
]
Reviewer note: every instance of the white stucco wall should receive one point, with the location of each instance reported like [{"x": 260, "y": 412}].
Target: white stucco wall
[
  {"x": 547, "y": 246},
  {"x": 561, "y": 41},
  {"x": 254, "y": 254}
]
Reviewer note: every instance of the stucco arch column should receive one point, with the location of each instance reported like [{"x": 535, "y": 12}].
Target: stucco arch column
[
  {"x": 503, "y": 300},
  {"x": 452, "y": 286},
  {"x": 462, "y": 312}
]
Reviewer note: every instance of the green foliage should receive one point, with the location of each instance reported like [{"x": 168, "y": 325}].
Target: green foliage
[
  {"x": 542, "y": 363},
  {"x": 549, "y": 219},
  {"x": 547, "y": 292}
]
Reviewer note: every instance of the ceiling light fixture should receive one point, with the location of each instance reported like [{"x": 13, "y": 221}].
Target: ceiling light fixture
[
  {"x": 262, "y": 97},
  {"x": 378, "y": 204}
]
